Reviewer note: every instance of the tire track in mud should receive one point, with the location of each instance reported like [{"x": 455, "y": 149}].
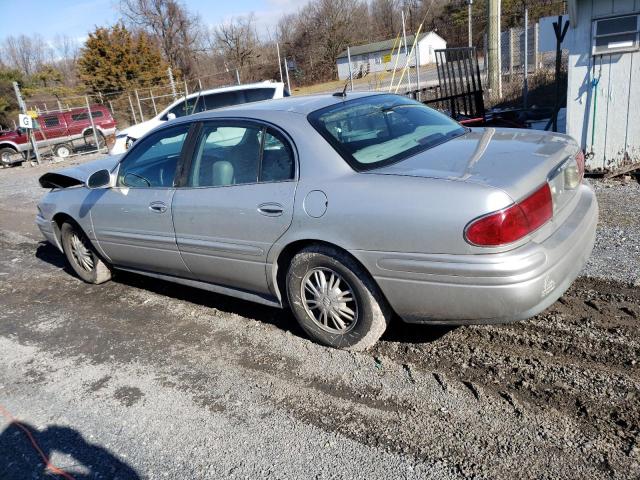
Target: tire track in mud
[{"x": 580, "y": 358}]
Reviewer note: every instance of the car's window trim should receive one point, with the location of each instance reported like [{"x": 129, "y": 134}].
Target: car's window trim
[
  {"x": 179, "y": 164},
  {"x": 241, "y": 121},
  {"x": 313, "y": 119}
]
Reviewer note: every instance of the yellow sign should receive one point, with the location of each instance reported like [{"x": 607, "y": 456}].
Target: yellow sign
[
  {"x": 32, "y": 113},
  {"x": 386, "y": 58}
]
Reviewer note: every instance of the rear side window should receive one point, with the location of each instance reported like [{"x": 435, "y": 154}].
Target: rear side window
[
  {"x": 222, "y": 99},
  {"x": 259, "y": 94},
  {"x": 277, "y": 159},
  {"x": 378, "y": 130},
  {"x": 51, "y": 121},
  {"x": 226, "y": 155},
  {"x": 76, "y": 117},
  {"x": 236, "y": 154}
]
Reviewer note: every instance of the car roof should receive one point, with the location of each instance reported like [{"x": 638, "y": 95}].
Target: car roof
[
  {"x": 302, "y": 105},
  {"x": 231, "y": 88}
]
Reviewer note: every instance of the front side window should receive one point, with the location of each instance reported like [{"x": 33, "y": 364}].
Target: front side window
[
  {"x": 187, "y": 107},
  {"x": 153, "y": 160},
  {"x": 226, "y": 155},
  {"x": 374, "y": 131}
]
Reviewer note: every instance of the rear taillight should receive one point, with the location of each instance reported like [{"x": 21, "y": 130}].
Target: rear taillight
[{"x": 514, "y": 222}]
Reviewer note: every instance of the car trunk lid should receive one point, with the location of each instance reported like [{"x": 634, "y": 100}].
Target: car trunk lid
[{"x": 516, "y": 161}]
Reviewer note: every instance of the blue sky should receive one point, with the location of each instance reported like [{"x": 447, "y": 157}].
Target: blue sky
[{"x": 77, "y": 18}]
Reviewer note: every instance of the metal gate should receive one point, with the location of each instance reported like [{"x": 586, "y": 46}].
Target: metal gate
[{"x": 460, "y": 87}]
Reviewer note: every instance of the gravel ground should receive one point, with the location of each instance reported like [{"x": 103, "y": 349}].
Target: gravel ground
[
  {"x": 139, "y": 378},
  {"x": 617, "y": 251}
]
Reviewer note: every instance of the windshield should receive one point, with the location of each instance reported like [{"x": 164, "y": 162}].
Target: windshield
[{"x": 373, "y": 131}]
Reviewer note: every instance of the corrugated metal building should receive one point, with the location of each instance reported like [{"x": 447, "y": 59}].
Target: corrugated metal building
[
  {"x": 381, "y": 56},
  {"x": 603, "y": 97}
]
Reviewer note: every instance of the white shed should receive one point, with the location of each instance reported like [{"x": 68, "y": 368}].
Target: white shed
[
  {"x": 603, "y": 97},
  {"x": 381, "y": 56}
]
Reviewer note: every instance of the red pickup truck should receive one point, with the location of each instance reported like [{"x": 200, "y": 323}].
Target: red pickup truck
[{"x": 61, "y": 131}]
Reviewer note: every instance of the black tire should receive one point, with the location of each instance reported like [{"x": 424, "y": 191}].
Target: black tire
[
  {"x": 6, "y": 156},
  {"x": 88, "y": 267},
  {"x": 63, "y": 150},
  {"x": 370, "y": 312},
  {"x": 89, "y": 139}
]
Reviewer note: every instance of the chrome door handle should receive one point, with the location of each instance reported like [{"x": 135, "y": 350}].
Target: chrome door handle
[
  {"x": 271, "y": 209},
  {"x": 158, "y": 207}
]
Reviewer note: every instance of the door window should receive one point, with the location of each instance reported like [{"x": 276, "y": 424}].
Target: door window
[
  {"x": 226, "y": 155},
  {"x": 277, "y": 159},
  {"x": 153, "y": 160},
  {"x": 51, "y": 122}
]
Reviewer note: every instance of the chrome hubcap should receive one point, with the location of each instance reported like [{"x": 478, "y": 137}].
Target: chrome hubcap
[
  {"x": 63, "y": 152},
  {"x": 81, "y": 253},
  {"x": 329, "y": 300}
]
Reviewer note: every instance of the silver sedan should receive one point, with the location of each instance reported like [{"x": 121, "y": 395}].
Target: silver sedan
[{"x": 351, "y": 210}]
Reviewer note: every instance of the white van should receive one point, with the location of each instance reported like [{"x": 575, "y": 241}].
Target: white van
[{"x": 199, "y": 102}]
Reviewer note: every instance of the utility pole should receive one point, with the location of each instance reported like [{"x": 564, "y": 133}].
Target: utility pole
[
  {"x": 525, "y": 87},
  {"x": 172, "y": 83},
  {"x": 30, "y": 134},
  {"x": 286, "y": 70},
  {"x": 469, "y": 12},
  {"x": 350, "y": 73},
  {"x": 404, "y": 37},
  {"x": 279, "y": 62},
  {"x": 493, "y": 49}
]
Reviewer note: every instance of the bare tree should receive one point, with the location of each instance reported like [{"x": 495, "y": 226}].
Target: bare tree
[
  {"x": 176, "y": 29},
  {"x": 25, "y": 53},
  {"x": 385, "y": 18},
  {"x": 236, "y": 41},
  {"x": 66, "y": 51}
]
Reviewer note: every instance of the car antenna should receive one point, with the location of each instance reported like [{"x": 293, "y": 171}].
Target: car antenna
[{"x": 343, "y": 93}]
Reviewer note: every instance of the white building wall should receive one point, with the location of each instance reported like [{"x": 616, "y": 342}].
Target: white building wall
[
  {"x": 374, "y": 62},
  {"x": 605, "y": 119}
]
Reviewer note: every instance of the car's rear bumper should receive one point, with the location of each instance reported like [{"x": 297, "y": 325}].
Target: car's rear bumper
[{"x": 488, "y": 288}]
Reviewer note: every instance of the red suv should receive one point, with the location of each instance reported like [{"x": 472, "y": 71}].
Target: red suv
[{"x": 61, "y": 131}]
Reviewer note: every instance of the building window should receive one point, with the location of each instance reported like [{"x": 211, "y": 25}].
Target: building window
[{"x": 615, "y": 35}]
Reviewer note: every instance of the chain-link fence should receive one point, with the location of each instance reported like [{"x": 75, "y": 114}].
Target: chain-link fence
[{"x": 527, "y": 73}]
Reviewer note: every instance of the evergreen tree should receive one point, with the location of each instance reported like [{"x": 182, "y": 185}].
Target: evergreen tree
[{"x": 114, "y": 60}]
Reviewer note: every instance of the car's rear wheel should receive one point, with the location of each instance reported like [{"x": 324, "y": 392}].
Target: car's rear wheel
[
  {"x": 90, "y": 139},
  {"x": 62, "y": 151},
  {"x": 335, "y": 300},
  {"x": 82, "y": 256}
]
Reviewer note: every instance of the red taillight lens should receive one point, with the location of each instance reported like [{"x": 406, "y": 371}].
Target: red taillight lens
[{"x": 512, "y": 223}]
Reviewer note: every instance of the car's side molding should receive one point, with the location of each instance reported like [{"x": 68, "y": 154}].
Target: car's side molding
[{"x": 232, "y": 292}]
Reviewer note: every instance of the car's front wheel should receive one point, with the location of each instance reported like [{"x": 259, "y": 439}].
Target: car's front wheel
[
  {"x": 335, "y": 300},
  {"x": 82, "y": 256}
]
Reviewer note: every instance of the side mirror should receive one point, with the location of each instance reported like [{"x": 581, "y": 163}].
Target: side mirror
[
  {"x": 171, "y": 116},
  {"x": 99, "y": 179}
]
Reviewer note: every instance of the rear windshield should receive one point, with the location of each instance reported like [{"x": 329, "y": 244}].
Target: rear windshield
[{"x": 374, "y": 131}]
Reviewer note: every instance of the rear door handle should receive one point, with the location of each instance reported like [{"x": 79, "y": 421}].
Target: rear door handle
[
  {"x": 158, "y": 207},
  {"x": 271, "y": 209}
]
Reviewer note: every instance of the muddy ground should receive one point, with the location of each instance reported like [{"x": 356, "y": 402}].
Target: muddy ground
[{"x": 139, "y": 378}]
